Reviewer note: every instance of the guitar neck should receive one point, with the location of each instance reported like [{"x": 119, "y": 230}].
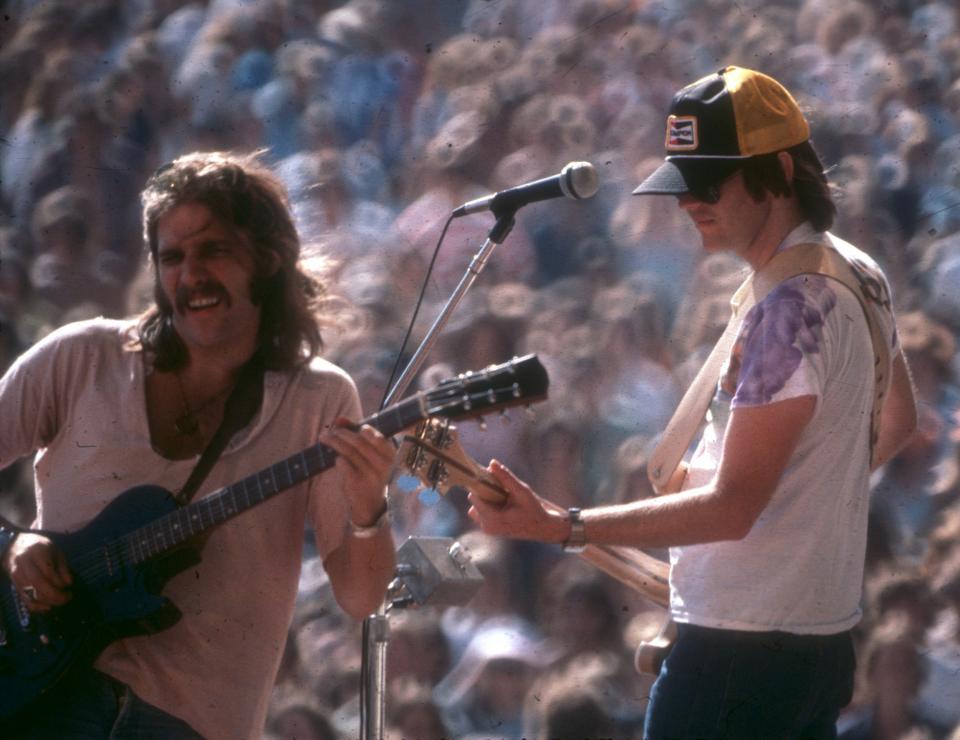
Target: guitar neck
[
  {"x": 631, "y": 566},
  {"x": 175, "y": 529}
]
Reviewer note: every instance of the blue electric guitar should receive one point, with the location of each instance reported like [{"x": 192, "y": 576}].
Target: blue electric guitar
[{"x": 122, "y": 558}]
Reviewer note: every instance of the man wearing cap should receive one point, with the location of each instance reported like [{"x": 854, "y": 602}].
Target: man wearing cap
[{"x": 806, "y": 392}]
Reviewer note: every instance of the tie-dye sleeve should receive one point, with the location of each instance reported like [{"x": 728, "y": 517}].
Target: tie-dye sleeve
[{"x": 778, "y": 354}]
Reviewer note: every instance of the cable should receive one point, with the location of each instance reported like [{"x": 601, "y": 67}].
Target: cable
[{"x": 416, "y": 312}]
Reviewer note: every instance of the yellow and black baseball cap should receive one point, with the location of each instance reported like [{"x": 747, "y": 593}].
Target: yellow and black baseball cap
[{"x": 717, "y": 122}]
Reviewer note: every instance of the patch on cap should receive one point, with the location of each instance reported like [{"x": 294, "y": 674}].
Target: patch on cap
[{"x": 682, "y": 133}]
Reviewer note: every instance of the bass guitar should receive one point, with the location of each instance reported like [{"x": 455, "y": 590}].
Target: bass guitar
[{"x": 123, "y": 557}]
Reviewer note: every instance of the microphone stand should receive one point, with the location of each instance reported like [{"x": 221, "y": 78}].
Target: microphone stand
[
  {"x": 376, "y": 626},
  {"x": 497, "y": 234}
]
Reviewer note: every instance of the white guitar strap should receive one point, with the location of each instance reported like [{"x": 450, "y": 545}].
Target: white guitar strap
[{"x": 810, "y": 258}]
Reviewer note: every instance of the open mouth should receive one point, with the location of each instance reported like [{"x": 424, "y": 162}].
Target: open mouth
[
  {"x": 199, "y": 304},
  {"x": 200, "y": 300}
]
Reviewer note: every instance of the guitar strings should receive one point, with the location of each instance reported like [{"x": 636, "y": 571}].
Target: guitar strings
[{"x": 111, "y": 558}]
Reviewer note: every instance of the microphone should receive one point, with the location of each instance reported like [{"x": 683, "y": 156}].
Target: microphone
[{"x": 577, "y": 180}]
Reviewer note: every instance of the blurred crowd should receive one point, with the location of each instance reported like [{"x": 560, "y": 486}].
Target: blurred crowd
[{"x": 382, "y": 116}]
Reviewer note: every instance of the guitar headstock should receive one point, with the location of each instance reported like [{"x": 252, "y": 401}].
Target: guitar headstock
[
  {"x": 520, "y": 381},
  {"x": 434, "y": 455}
]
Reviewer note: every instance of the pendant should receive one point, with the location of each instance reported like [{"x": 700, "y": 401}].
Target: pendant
[{"x": 186, "y": 424}]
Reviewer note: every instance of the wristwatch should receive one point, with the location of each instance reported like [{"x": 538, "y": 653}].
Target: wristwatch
[{"x": 577, "y": 540}]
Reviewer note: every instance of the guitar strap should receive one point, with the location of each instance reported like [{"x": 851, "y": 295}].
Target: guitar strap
[
  {"x": 809, "y": 258},
  {"x": 240, "y": 407}
]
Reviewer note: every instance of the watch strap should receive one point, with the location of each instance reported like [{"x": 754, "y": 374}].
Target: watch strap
[{"x": 577, "y": 540}]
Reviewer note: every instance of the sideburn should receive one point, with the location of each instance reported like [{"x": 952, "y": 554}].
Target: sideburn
[
  {"x": 763, "y": 175},
  {"x": 169, "y": 351}
]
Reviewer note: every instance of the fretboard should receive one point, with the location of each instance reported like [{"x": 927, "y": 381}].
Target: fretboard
[{"x": 177, "y": 527}]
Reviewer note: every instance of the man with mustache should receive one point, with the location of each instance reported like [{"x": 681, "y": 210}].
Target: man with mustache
[
  {"x": 767, "y": 522},
  {"x": 107, "y": 405}
]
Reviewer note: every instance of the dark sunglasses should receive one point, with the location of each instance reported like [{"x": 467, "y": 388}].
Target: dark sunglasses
[{"x": 710, "y": 194}]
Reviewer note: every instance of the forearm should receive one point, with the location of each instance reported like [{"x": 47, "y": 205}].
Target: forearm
[
  {"x": 757, "y": 448},
  {"x": 689, "y": 517},
  {"x": 360, "y": 570},
  {"x": 709, "y": 513},
  {"x": 363, "y": 564}
]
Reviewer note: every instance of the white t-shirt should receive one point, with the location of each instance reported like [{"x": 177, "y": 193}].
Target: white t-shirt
[
  {"x": 77, "y": 398},
  {"x": 800, "y": 568}
]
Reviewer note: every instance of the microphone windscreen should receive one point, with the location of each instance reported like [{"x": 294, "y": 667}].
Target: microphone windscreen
[{"x": 579, "y": 180}]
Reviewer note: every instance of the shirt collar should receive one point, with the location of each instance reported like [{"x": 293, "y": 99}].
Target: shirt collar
[{"x": 802, "y": 234}]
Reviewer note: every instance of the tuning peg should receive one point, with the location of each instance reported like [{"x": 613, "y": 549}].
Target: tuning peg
[
  {"x": 412, "y": 460},
  {"x": 482, "y": 423},
  {"x": 437, "y": 474}
]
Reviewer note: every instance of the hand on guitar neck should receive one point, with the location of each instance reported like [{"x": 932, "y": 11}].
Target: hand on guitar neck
[{"x": 434, "y": 454}]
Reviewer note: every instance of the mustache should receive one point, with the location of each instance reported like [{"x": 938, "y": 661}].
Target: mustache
[{"x": 206, "y": 289}]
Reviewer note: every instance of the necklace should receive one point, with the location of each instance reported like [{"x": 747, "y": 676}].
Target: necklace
[{"x": 188, "y": 423}]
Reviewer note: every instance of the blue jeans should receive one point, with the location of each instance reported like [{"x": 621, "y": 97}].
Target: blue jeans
[
  {"x": 93, "y": 706},
  {"x": 740, "y": 685}
]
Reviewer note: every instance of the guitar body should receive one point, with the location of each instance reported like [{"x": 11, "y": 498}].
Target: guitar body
[
  {"x": 37, "y": 650},
  {"x": 651, "y": 653}
]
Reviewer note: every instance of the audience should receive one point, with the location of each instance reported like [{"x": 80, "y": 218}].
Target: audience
[{"x": 381, "y": 118}]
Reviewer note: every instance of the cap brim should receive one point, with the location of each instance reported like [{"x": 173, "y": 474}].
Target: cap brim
[{"x": 677, "y": 176}]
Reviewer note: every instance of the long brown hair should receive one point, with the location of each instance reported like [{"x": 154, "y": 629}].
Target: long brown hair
[
  {"x": 763, "y": 174},
  {"x": 246, "y": 196}
]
